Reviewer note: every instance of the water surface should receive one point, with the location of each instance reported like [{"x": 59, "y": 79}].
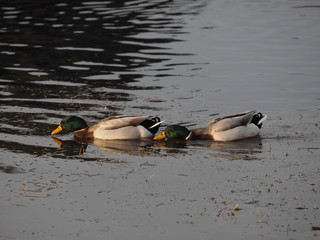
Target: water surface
[{"x": 186, "y": 62}]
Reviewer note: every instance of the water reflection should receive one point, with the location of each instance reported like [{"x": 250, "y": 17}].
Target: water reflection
[
  {"x": 238, "y": 150},
  {"x": 111, "y": 40},
  {"x": 246, "y": 149},
  {"x": 129, "y": 147},
  {"x": 71, "y": 147}
]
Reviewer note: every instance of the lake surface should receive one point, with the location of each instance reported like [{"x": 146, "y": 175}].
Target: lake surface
[{"x": 186, "y": 62}]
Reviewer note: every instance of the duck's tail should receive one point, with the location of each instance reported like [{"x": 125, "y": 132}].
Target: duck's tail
[
  {"x": 258, "y": 119},
  {"x": 152, "y": 124}
]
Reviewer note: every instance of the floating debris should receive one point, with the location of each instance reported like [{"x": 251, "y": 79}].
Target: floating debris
[
  {"x": 301, "y": 208},
  {"x": 235, "y": 208},
  {"x": 315, "y": 228}
]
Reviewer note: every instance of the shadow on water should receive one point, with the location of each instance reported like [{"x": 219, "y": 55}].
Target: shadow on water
[
  {"x": 10, "y": 169},
  {"x": 81, "y": 56}
]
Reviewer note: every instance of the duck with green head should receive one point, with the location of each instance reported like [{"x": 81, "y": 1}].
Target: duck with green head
[
  {"x": 115, "y": 127},
  {"x": 228, "y": 128},
  {"x": 70, "y": 124}
]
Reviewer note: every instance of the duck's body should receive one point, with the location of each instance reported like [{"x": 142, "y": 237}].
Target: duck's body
[
  {"x": 228, "y": 128},
  {"x": 111, "y": 128}
]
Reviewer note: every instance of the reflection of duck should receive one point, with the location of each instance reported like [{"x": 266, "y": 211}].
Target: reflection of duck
[
  {"x": 172, "y": 143},
  {"x": 245, "y": 150},
  {"x": 70, "y": 147},
  {"x": 235, "y": 150},
  {"x": 140, "y": 147},
  {"x": 130, "y": 147},
  {"x": 251, "y": 144},
  {"x": 228, "y": 128},
  {"x": 116, "y": 127}
]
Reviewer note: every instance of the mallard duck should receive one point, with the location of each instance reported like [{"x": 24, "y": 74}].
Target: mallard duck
[
  {"x": 115, "y": 127},
  {"x": 228, "y": 128}
]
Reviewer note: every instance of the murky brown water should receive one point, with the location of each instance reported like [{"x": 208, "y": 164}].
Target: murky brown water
[{"x": 186, "y": 62}]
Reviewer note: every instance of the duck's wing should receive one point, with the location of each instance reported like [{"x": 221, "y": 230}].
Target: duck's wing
[
  {"x": 116, "y": 122},
  {"x": 231, "y": 121}
]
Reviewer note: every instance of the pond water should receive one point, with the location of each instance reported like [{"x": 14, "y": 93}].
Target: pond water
[{"x": 186, "y": 62}]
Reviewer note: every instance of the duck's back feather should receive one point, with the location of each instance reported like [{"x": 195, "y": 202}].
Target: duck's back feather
[
  {"x": 230, "y": 122},
  {"x": 116, "y": 122}
]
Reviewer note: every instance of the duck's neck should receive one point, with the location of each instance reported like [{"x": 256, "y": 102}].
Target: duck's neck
[
  {"x": 85, "y": 133},
  {"x": 199, "y": 134}
]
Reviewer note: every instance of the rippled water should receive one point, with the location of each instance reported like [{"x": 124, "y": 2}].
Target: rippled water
[
  {"x": 84, "y": 58},
  {"x": 186, "y": 62}
]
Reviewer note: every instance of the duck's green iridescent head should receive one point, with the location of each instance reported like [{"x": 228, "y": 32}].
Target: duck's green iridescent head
[
  {"x": 174, "y": 132},
  {"x": 70, "y": 124}
]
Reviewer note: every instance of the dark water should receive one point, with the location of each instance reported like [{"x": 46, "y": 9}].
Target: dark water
[
  {"x": 186, "y": 62},
  {"x": 84, "y": 58}
]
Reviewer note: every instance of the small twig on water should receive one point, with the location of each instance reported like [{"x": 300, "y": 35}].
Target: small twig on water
[
  {"x": 148, "y": 179},
  {"x": 235, "y": 208}
]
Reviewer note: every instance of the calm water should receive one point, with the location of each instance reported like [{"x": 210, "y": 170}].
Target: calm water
[{"x": 186, "y": 62}]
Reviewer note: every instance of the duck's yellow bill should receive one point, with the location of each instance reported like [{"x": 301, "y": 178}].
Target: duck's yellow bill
[
  {"x": 161, "y": 136},
  {"x": 57, "y": 130}
]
